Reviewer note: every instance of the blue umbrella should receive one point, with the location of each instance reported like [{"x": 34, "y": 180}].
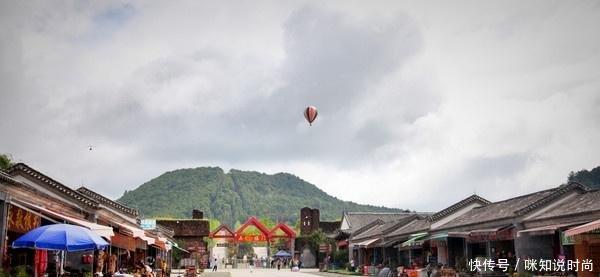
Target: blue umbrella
[
  {"x": 282, "y": 254},
  {"x": 61, "y": 237}
]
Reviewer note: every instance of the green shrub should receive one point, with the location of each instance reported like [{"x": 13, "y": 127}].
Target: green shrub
[{"x": 21, "y": 271}]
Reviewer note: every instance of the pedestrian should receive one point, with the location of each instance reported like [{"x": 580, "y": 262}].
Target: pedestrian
[
  {"x": 352, "y": 265},
  {"x": 278, "y": 264},
  {"x": 429, "y": 269},
  {"x": 251, "y": 263},
  {"x": 214, "y": 265}
]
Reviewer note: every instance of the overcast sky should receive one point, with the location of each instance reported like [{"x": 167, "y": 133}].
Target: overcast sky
[{"x": 420, "y": 103}]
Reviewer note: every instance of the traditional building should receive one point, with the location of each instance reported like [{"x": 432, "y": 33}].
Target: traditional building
[
  {"x": 190, "y": 234},
  {"x": 30, "y": 199},
  {"x": 380, "y": 241},
  {"x": 310, "y": 222},
  {"x": 568, "y": 229},
  {"x": 355, "y": 223}
]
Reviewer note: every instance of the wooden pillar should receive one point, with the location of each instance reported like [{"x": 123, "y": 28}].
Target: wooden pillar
[
  {"x": 268, "y": 252},
  {"x": 360, "y": 257},
  {"x": 3, "y": 226},
  {"x": 237, "y": 251},
  {"x": 293, "y": 248}
]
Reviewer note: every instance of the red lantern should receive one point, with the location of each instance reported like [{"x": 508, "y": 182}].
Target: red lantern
[{"x": 87, "y": 259}]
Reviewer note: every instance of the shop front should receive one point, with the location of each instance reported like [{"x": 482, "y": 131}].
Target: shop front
[
  {"x": 22, "y": 218},
  {"x": 19, "y": 222},
  {"x": 587, "y": 246},
  {"x": 491, "y": 243},
  {"x": 413, "y": 252}
]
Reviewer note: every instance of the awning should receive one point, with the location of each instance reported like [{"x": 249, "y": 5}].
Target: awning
[
  {"x": 445, "y": 235},
  {"x": 489, "y": 231},
  {"x": 137, "y": 233},
  {"x": 162, "y": 243},
  {"x": 439, "y": 236},
  {"x": 540, "y": 231},
  {"x": 458, "y": 234},
  {"x": 415, "y": 240},
  {"x": 176, "y": 246},
  {"x": 101, "y": 230},
  {"x": 388, "y": 243},
  {"x": 366, "y": 243},
  {"x": 585, "y": 228},
  {"x": 481, "y": 232}
]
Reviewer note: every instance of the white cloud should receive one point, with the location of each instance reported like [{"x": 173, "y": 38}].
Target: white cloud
[{"x": 416, "y": 100}]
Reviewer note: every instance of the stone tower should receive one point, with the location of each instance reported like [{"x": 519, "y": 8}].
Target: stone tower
[{"x": 309, "y": 220}]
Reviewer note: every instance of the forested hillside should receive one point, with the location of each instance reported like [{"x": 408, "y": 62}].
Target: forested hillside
[{"x": 232, "y": 197}]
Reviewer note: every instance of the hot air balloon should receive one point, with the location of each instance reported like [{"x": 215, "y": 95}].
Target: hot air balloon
[{"x": 310, "y": 113}]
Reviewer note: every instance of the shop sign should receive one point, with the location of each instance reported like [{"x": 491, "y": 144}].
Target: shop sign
[
  {"x": 148, "y": 224},
  {"x": 123, "y": 242},
  {"x": 251, "y": 238},
  {"x": 507, "y": 234},
  {"x": 22, "y": 221}
]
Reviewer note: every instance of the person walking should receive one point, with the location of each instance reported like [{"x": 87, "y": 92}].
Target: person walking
[
  {"x": 429, "y": 269},
  {"x": 214, "y": 267},
  {"x": 251, "y": 263}
]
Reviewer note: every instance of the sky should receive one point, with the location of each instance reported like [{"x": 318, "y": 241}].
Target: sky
[{"x": 421, "y": 103}]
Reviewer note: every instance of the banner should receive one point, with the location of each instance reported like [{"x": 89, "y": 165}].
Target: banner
[{"x": 22, "y": 221}]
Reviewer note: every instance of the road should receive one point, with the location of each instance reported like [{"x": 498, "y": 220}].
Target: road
[{"x": 260, "y": 273}]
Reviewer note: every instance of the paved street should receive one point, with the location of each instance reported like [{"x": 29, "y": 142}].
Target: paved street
[{"x": 261, "y": 273}]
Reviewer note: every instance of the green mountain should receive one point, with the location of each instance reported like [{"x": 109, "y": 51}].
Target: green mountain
[{"x": 232, "y": 197}]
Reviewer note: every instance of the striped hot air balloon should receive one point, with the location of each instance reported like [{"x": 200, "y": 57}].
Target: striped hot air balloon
[{"x": 310, "y": 113}]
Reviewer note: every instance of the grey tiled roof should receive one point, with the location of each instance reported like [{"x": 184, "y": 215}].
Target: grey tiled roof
[
  {"x": 99, "y": 198},
  {"x": 416, "y": 226},
  {"x": 467, "y": 201},
  {"x": 586, "y": 202},
  {"x": 384, "y": 228},
  {"x": 497, "y": 210},
  {"x": 556, "y": 194},
  {"x": 357, "y": 220},
  {"x": 7, "y": 178},
  {"x": 368, "y": 227},
  {"x": 52, "y": 184}
]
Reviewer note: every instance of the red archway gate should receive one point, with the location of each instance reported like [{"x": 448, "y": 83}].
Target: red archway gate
[
  {"x": 280, "y": 231},
  {"x": 286, "y": 233},
  {"x": 265, "y": 234}
]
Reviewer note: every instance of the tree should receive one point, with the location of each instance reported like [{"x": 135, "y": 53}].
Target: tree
[
  {"x": 213, "y": 224},
  {"x": 267, "y": 222},
  {"x": 589, "y": 178},
  {"x": 317, "y": 238},
  {"x": 5, "y": 161}
]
